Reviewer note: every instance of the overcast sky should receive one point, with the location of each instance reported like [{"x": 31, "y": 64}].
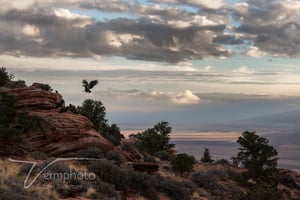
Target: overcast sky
[{"x": 177, "y": 60}]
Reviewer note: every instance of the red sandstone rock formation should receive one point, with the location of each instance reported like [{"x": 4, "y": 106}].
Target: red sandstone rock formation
[
  {"x": 62, "y": 134},
  {"x": 56, "y": 134},
  {"x": 32, "y": 98}
]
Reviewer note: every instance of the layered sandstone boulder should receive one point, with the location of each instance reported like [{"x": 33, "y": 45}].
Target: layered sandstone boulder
[
  {"x": 32, "y": 98},
  {"x": 53, "y": 133},
  {"x": 63, "y": 134}
]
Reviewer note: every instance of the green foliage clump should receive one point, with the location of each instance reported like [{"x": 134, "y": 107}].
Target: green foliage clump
[
  {"x": 209, "y": 180},
  {"x": 7, "y": 116},
  {"x": 95, "y": 112},
  {"x": 8, "y": 108},
  {"x": 5, "y": 77},
  {"x": 164, "y": 155},
  {"x": 90, "y": 152},
  {"x": 262, "y": 191},
  {"x": 27, "y": 121},
  {"x": 206, "y": 158},
  {"x": 174, "y": 189},
  {"x": 128, "y": 146},
  {"x": 223, "y": 161},
  {"x": 155, "y": 139},
  {"x": 257, "y": 156},
  {"x": 115, "y": 156},
  {"x": 104, "y": 190},
  {"x": 109, "y": 172},
  {"x": 113, "y": 134},
  {"x": 16, "y": 84},
  {"x": 204, "y": 179},
  {"x": 183, "y": 163},
  {"x": 144, "y": 184},
  {"x": 12, "y": 190},
  {"x": 43, "y": 86}
]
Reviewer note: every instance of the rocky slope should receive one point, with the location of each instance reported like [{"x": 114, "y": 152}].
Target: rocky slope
[{"x": 54, "y": 133}]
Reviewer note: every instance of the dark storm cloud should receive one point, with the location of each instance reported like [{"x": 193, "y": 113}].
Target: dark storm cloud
[
  {"x": 157, "y": 33},
  {"x": 278, "y": 40},
  {"x": 228, "y": 40},
  {"x": 273, "y": 26},
  {"x": 51, "y": 35},
  {"x": 60, "y": 35},
  {"x": 160, "y": 42}
]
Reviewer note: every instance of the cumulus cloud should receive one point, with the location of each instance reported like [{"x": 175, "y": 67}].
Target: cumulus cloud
[
  {"x": 185, "y": 97},
  {"x": 30, "y": 30},
  {"x": 255, "y": 52},
  {"x": 244, "y": 70},
  {"x": 185, "y": 66}
]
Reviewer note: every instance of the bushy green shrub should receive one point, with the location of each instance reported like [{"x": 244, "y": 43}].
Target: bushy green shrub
[
  {"x": 16, "y": 84},
  {"x": 206, "y": 158},
  {"x": 238, "y": 177},
  {"x": 8, "y": 134},
  {"x": 115, "y": 156},
  {"x": 43, "y": 86},
  {"x": 104, "y": 191},
  {"x": 192, "y": 187},
  {"x": 183, "y": 163},
  {"x": 219, "y": 174},
  {"x": 174, "y": 189},
  {"x": 12, "y": 190},
  {"x": 209, "y": 181},
  {"x": 148, "y": 158},
  {"x": 95, "y": 112},
  {"x": 205, "y": 180},
  {"x": 5, "y": 77},
  {"x": 144, "y": 184},
  {"x": 257, "y": 156},
  {"x": 222, "y": 162},
  {"x": 90, "y": 152},
  {"x": 289, "y": 181},
  {"x": 128, "y": 146},
  {"x": 262, "y": 191},
  {"x": 109, "y": 172},
  {"x": 165, "y": 155},
  {"x": 27, "y": 121},
  {"x": 112, "y": 133},
  {"x": 8, "y": 108},
  {"x": 155, "y": 139},
  {"x": 7, "y": 116}
]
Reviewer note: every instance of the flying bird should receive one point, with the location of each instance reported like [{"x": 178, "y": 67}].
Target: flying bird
[{"x": 89, "y": 85}]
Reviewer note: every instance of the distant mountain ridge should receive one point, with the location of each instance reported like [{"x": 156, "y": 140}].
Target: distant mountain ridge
[{"x": 290, "y": 117}]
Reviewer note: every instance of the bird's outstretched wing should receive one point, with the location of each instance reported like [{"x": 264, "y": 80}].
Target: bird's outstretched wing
[
  {"x": 84, "y": 82},
  {"x": 93, "y": 83}
]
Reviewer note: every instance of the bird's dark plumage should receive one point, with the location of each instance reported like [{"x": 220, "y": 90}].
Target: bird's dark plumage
[{"x": 89, "y": 85}]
